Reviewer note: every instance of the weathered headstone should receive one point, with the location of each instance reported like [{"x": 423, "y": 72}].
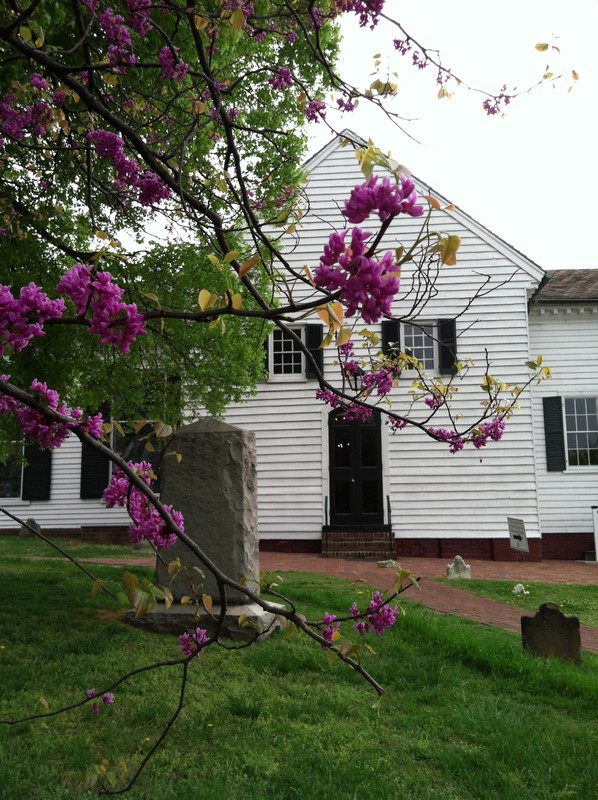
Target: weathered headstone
[
  {"x": 458, "y": 569},
  {"x": 213, "y": 482},
  {"x": 550, "y": 633},
  {"x": 25, "y": 530}
]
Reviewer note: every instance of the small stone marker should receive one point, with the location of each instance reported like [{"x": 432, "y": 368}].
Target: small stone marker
[
  {"x": 551, "y": 633},
  {"x": 458, "y": 570},
  {"x": 25, "y": 530}
]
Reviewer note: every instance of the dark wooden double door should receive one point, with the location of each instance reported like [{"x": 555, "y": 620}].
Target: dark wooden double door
[{"x": 356, "y": 497}]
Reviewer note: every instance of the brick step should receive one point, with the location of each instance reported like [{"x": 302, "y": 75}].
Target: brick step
[{"x": 358, "y": 544}]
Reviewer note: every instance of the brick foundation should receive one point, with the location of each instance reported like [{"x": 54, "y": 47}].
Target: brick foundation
[
  {"x": 567, "y": 546},
  {"x": 485, "y": 549}
]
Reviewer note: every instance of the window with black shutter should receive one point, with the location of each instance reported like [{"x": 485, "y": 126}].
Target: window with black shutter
[
  {"x": 447, "y": 346},
  {"x": 391, "y": 337},
  {"x": 95, "y": 468},
  {"x": 313, "y": 341},
  {"x": 554, "y": 434},
  {"x": 37, "y": 475}
]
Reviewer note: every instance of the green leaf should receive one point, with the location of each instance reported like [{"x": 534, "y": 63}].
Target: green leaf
[
  {"x": 243, "y": 621},
  {"x": 230, "y": 256},
  {"x": 542, "y": 47},
  {"x": 168, "y": 598},
  {"x": 25, "y": 33}
]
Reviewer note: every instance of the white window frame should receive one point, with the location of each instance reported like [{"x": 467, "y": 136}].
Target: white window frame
[
  {"x": 16, "y": 498},
  {"x": 286, "y": 376},
  {"x": 578, "y": 430},
  {"x": 419, "y": 328}
]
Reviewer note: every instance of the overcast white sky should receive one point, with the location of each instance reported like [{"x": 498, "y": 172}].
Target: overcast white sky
[{"x": 531, "y": 176}]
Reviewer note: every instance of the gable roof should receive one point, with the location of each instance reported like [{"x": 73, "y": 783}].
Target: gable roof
[
  {"x": 565, "y": 286},
  {"x": 534, "y": 270}
]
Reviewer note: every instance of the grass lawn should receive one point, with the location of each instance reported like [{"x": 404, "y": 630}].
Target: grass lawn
[
  {"x": 572, "y": 599},
  {"x": 23, "y": 546},
  {"x": 467, "y": 715}
]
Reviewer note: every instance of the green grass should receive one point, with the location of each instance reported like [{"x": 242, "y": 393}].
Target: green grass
[
  {"x": 467, "y": 715},
  {"x": 24, "y": 546},
  {"x": 572, "y": 599}
]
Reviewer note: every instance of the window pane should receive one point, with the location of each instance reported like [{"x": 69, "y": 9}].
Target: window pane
[
  {"x": 342, "y": 447},
  {"x": 10, "y": 478},
  {"x": 287, "y": 358},
  {"x": 369, "y": 448},
  {"x": 419, "y": 339},
  {"x": 370, "y": 497},
  {"x": 581, "y": 421},
  {"x": 342, "y": 497}
]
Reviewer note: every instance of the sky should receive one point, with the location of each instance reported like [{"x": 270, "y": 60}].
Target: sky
[{"x": 531, "y": 175}]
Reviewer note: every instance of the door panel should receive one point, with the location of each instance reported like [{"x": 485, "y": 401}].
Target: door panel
[{"x": 355, "y": 472}]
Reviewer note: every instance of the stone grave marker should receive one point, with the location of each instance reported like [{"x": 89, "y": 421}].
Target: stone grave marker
[
  {"x": 458, "y": 570},
  {"x": 25, "y": 530},
  {"x": 214, "y": 485},
  {"x": 550, "y": 633}
]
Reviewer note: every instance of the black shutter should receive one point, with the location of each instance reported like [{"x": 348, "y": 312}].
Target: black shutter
[
  {"x": 37, "y": 475},
  {"x": 391, "y": 336},
  {"x": 95, "y": 468},
  {"x": 313, "y": 340},
  {"x": 554, "y": 434},
  {"x": 266, "y": 344},
  {"x": 447, "y": 346}
]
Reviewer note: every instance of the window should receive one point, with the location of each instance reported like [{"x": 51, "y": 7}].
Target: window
[
  {"x": 287, "y": 356},
  {"x": 286, "y": 360},
  {"x": 11, "y": 474},
  {"x": 581, "y": 423},
  {"x": 420, "y": 341},
  {"x": 30, "y": 479},
  {"x": 433, "y": 343}
]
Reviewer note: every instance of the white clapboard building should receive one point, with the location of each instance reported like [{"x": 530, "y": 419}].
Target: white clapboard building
[{"x": 325, "y": 485}]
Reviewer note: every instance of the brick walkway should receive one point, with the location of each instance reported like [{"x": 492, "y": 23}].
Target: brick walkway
[
  {"x": 448, "y": 599},
  {"x": 436, "y": 596}
]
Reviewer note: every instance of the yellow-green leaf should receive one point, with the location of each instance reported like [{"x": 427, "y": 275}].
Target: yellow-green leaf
[
  {"x": 448, "y": 249},
  {"x": 101, "y": 234},
  {"x": 200, "y": 22},
  {"x": 343, "y": 336},
  {"x": 118, "y": 427},
  {"x": 162, "y": 430},
  {"x": 236, "y": 301},
  {"x": 203, "y": 299},
  {"x": 168, "y": 598},
  {"x": 207, "y": 601},
  {"x": 212, "y": 258},
  {"x": 230, "y": 256},
  {"x": 542, "y": 47},
  {"x": 97, "y": 585},
  {"x": 25, "y": 33},
  {"x": 237, "y": 20}
]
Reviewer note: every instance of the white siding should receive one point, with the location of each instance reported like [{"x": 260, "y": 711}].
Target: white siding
[
  {"x": 65, "y": 509},
  {"x": 433, "y": 493},
  {"x": 567, "y": 338}
]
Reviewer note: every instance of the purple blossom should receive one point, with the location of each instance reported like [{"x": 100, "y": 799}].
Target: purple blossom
[
  {"x": 171, "y": 68},
  {"x": 357, "y": 413},
  {"x": 366, "y": 286},
  {"x": 146, "y": 521},
  {"x": 328, "y": 396},
  {"x": 23, "y": 318},
  {"x": 379, "y": 618},
  {"x": 37, "y": 81},
  {"x": 95, "y": 709},
  {"x": 139, "y": 16},
  {"x": 152, "y": 190},
  {"x": 108, "y": 699},
  {"x": 190, "y": 643},
  {"x": 380, "y": 381},
  {"x": 330, "y": 629},
  {"x": 282, "y": 80},
  {"x": 315, "y": 111},
  {"x": 59, "y": 98},
  {"x": 387, "y": 199},
  {"x": 118, "y": 37},
  {"x": 455, "y": 441},
  {"x": 90, "y": 693}
]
